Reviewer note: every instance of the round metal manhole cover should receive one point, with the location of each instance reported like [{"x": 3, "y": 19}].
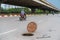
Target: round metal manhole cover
[{"x": 32, "y": 26}]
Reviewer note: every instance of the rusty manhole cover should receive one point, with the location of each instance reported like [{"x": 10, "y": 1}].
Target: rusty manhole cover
[{"x": 32, "y": 26}]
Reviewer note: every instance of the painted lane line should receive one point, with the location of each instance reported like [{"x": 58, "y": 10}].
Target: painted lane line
[{"x": 8, "y": 32}]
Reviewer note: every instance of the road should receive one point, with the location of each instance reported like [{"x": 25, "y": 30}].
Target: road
[{"x": 48, "y": 27}]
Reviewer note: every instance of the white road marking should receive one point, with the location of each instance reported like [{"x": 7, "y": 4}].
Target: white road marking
[{"x": 8, "y": 32}]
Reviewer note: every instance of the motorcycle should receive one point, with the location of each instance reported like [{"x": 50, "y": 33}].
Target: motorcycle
[{"x": 22, "y": 17}]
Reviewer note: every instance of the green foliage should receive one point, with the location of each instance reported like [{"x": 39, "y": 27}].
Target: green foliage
[
  {"x": 27, "y": 10},
  {"x": 18, "y": 10},
  {"x": 39, "y": 11},
  {"x": 15, "y": 10}
]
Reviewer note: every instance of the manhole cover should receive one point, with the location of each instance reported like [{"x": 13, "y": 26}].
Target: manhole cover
[{"x": 31, "y": 27}]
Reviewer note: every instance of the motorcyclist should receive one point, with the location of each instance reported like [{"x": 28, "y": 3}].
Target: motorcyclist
[{"x": 22, "y": 14}]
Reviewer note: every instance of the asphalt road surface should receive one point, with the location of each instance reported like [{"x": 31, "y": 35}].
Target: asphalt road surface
[{"x": 48, "y": 27}]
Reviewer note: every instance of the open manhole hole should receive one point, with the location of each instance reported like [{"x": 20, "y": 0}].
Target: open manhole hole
[
  {"x": 31, "y": 27},
  {"x": 28, "y": 34}
]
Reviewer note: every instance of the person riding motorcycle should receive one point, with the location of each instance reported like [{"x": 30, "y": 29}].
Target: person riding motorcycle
[{"x": 22, "y": 15}]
